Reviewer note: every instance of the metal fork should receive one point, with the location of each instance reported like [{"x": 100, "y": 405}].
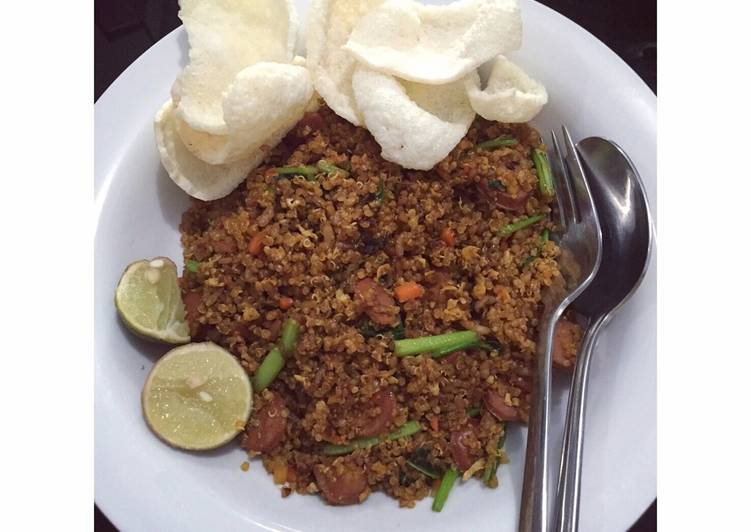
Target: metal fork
[{"x": 581, "y": 252}]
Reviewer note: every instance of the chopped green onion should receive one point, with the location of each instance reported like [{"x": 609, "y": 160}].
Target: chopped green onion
[
  {"x": 509, "y": 229},
  {"x": 447, "y": 482},
  {"x": 544, "y": 175},
  {"x": 498, "y": 142},
  {"x": 336, "y": 450},
  {"x": 290, "y": 331},
  {"x": 325, "y": 166},
  {"x": 191, "y": 265},
  {"x": 502, "y": 439},
  {"x": 485, "y": 345},
  {"x": 438, "y": 343},
  {"x": 306, "y": 171},
  {"x": 490, "y": 345},
  {"x": 492, "y": 466},
  {"x": 425, "y": 470},
  {"x": 526, "y": 262},
  {"x": 544, "y": 236},
  {"x": 381, "y": 194},
  {"x": 440, "y": 353},
  {"x": 272, "y": 364},
  {"x": 473, "y": 411},
  {"x": 497, "y": 185},
  {"x": 408, "y": 429},
  {"x": 490, "y": 470}
]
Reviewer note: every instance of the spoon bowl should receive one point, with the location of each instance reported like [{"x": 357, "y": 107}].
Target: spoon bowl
[
  {"x": 623, "y": 211},
  {"x": 626, "y": 227}
]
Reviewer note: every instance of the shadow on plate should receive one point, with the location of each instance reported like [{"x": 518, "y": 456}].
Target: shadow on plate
[
  {"x": 173, "y": 202},
  {"x": 220, "y": 452},
  {"x": 182, "y": 43},
  {"x": 153, "y": 350}
]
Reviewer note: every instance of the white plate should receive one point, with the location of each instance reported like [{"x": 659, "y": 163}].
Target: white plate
[{"x": 141, "y": 484}]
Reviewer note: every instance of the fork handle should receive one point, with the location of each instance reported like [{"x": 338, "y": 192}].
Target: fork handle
[
  {"x": 569, "y": 482},
  {"x": 533, "y": 515}
]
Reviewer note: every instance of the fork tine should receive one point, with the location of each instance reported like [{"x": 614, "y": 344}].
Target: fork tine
[
  {"x": 582, "y": 196},
  {"x": 562, "y": 183}
]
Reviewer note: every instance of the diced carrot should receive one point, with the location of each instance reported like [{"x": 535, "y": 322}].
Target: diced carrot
[
  {"x": 434, "y": 424},
  {"x": 448, "y": 236},
  {"x": 256, "y": 244},
  {"x": 285, "y": 302},
  {"x": 409, "y": 290}
]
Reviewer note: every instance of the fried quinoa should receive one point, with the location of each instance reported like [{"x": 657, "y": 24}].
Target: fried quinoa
[{"x": 329, "y": 250}]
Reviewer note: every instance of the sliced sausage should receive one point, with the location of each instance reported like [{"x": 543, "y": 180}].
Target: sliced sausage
[
  {"x": 308, "y": 124},
  {"x": 459, "y": 451},
  {"x": 524, "y": 384},
  {"x": 225, "y": 244},
  {"x": 343, "y": 484},
  {"x": 504, "y": 200},
  {"x": 313, "y": 120},
  {"x": 372, "y": 299},
  {"x": 267, "y": 428},
  {"x": 512, "y": 203},
  {"x": 566, "y": 343},
  {"x": 497, "y": 406},
  {"x": 386, "y": 401}
]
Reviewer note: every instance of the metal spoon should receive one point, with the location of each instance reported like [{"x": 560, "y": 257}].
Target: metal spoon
[{"x": 627, "y": 241}]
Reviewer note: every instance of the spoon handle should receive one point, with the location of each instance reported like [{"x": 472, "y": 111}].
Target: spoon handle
[{"x": 567, "y": 496}]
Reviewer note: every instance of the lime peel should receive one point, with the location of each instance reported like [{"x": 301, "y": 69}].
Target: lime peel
[
  {"x": 197, "y": 397},
  {"x": 149, "y": 302}
]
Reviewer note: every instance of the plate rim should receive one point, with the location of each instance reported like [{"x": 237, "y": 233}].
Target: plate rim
[{"x": 102, "y": 180}]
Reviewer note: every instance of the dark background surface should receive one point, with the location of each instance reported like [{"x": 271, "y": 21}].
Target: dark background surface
[{"x": 124, "y": 29}]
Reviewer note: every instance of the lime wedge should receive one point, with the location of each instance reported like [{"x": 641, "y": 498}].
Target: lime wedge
[
  {"x": 197, "y": 397},
  {"x": 148, "y": 301}
]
